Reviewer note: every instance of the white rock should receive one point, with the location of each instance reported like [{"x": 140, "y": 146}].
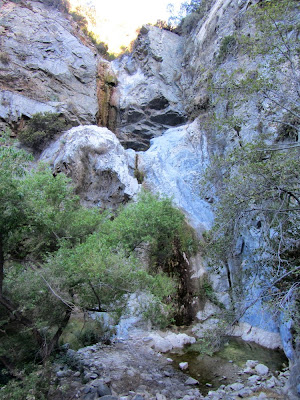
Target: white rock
[
  {"x": 271, "y": 340},
  {"x": 251, "y": 363},
  {"x": 97, "y": 163},
  {"x": 164, "y": 342},
  {"x": 191, "y": 381},
  {"x": 248, "y": 370},
  {"x": 262, "y": 369},
  {"x": 53, "y": 68},
  {"x": 209, "y": 310},
  {"x": 183, "y": 366},
  {"x": 237, "y": 386},
  {"x": 254, "y": 379}
]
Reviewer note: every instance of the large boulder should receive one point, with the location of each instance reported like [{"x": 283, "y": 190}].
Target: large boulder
[{"x": 97, "y": 163}]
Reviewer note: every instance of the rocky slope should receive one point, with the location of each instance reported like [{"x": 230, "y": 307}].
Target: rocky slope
[
  {"x": 44, "y": 65},
  {"x": 133, "y": 370}
]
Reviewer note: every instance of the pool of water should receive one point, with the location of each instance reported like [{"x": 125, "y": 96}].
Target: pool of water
[{"x": 223, "y": 367}]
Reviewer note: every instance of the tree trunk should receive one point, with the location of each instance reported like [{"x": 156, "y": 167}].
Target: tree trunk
[{"x": 48, "y": 349}]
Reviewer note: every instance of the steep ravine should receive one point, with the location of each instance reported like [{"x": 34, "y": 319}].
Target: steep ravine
[{"x": 155, "y": 100}]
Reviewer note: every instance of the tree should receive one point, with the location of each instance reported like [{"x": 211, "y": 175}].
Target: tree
[
  {"x": 58, "y": 256},
  {"x": 34, "y": 210},
  {"x": 273, "y": 79}
]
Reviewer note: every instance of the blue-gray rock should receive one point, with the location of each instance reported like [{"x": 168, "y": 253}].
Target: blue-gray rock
[{"x": 103, "y": 390}]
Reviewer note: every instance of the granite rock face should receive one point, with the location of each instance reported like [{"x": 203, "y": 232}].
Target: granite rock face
[
  {"x": 173, "y": 166},
  {"x": 97, "y": 163},
  {"x": 149, "y": 94},
  {"x": 43, "y": 65}
]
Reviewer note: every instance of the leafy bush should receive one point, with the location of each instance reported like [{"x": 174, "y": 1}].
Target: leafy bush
[
  {"x": 190, "y": 13},
  {"x": 80, "y": 19},
  {"x": 93, "y": 332},
  {"x": 155, "y": 221},
  {"x": 35, "y": 384},
  {"x": 42, "y": 128},
  {"x": 228, "y": 47}
]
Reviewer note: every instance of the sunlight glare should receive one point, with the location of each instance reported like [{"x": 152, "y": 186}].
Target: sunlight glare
[{"x": 117, "y": 21}]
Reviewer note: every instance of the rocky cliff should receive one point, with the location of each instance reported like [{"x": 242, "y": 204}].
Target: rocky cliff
[
  {"x": 44, "y": 65},
  {"x": 158, "y": 100}
]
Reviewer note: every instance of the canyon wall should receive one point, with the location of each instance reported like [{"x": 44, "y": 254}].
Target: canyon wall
[{"x": 159, "y": 103}]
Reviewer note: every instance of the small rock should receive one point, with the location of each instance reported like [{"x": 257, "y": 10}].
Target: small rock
[
  {"x": 94, "y": 376},
  {"x": 86, "y": 389},
  {"x": 191, "y": 381},
  {"x": 254, "y": 379},
  {"x": 208, "y": 384},
  {"x": 77, "y": 374},
  {"x": 261, "y": 369},
  {"x": 183, "y": 366},
  {"x": 61, "y": 374},
  {"x": 244, "y": 392},
  {"x": 236, "y": 386},
  {"x": 271, "y": 382},
  {"x": 251, "y": 363},
  {"x": 147, "y": 339},
  {"x": 169, "y": 360},
  {"x": 160, "y": 396},
  {"x": 248, "y": 370},
  {"x": 136, "y": 397},
  {"x": 103, "y": 390},
  {"x": 262, "y": 396},
  {"x": 90, "y": 396}
]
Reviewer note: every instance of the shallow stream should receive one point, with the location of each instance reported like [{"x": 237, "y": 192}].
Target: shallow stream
[{"x": 225, "y": 366}]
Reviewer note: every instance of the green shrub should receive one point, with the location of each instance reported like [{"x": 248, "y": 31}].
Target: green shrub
[
  {"x": 93, "y": 332},
  {"x": 228, "y": 47},
  {"x": 42, "y": 128},
  {"x": 34, "y": 385},
  {"x": 80, "y": 19},
  {"x": 155, "y": 221}
]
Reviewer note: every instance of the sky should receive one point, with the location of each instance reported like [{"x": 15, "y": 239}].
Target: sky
[{"x": 118, "y": 20}]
